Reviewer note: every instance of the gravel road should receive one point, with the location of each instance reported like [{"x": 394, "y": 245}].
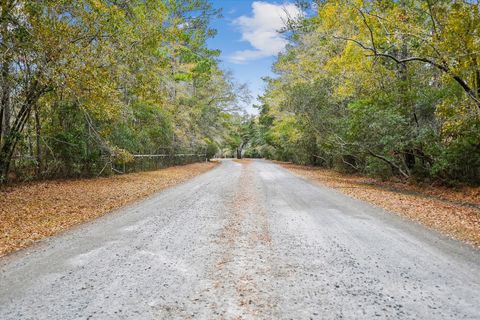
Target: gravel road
[{"x": 244, "y": 241}]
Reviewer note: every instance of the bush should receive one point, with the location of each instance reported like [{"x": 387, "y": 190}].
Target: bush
[{"x": 211, "y": 149}]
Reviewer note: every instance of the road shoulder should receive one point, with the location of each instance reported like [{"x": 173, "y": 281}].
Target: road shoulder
[
  {"x": 34, "y": 211},
  {"x": 454, "y": 215}
]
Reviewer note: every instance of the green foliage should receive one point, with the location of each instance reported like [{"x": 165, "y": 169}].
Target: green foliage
[
  {"x": 381, "y": 88},
  {"x": 89, "y": 83},
  {"x": 211, "y": 149}
]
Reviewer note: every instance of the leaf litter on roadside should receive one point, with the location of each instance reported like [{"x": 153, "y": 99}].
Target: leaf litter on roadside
[
  {"x": 32, "y": 211},
  {"x": 454, "y": 212}
]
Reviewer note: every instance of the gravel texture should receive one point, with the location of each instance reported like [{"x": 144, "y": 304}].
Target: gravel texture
[
  {"x": 33, "y": 211},
  {"x": 454, "y": 212},
  {"x": 244, "y": 241}
]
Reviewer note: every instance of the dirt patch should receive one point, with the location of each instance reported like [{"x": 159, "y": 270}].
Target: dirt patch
[
  {"x": 34, "y": 211},
  {"x": 454, "y": 212},
  {"x": 243, "y": 267},
  {"x": 243, "y": 161}
]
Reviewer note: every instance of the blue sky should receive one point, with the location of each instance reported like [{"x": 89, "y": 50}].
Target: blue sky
[{"x": 248, "y": 40}]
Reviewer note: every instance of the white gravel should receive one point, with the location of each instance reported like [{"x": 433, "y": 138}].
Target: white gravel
[{"x": 244, "y": 241}]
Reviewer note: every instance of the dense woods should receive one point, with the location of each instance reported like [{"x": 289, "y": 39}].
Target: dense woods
[
  {"x": 385, "y": 88},
  {"x": 85, "y": 85}
]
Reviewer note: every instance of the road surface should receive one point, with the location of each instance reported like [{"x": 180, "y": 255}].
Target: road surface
[{"x": 244, "y": 241}]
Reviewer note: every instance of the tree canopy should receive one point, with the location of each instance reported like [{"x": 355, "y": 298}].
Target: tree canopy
[
  {"x": 88, "y": 82},
  {"x": 385, "y": 88},
  {"x": 379, "y": 87}
]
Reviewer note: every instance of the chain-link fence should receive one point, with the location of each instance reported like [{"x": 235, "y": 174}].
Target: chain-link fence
[{"x": 146, "y": 162}]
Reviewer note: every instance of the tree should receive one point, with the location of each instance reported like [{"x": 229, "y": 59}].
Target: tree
[
  {"x": 383, "y": 88},
  {"x": 104, "y": 80}
]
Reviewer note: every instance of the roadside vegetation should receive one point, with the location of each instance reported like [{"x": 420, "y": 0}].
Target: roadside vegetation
[
  {"x": 380, "y": 100},
  {"x": 87, "y": 85},
  {"x": 382, "y": 88}
]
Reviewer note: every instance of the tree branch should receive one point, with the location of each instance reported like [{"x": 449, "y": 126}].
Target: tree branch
[
  {"x": 393, "y": 165},
  {"x": 470, "y": 92}
]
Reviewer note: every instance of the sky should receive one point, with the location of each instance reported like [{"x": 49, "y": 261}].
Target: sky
[{"x": 249, "y": 41}]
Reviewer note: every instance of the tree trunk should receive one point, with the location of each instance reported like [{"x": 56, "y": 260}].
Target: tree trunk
[
  {"x": 239, "y": 153},
  {"x": 38, "y": 130},
  {"x": 5, "y": 108},
  {"x": 10, "y": 141},
  {"x": 239, "y": 150},
  {"x": 5, "y": 69},
  {"x": 6, "y": 153}
]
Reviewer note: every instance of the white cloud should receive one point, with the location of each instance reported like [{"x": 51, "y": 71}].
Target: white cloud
[{"x": 260, "y": 30}]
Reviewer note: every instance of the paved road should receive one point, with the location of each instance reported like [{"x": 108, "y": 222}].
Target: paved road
[{"x": 244, "y": 241}]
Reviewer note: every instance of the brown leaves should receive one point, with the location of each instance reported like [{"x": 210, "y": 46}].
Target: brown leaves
[
  {"x": 454, "y": 212},
  {"x": 243, "y": 161},
  {"x": 34, "y": 211}
]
